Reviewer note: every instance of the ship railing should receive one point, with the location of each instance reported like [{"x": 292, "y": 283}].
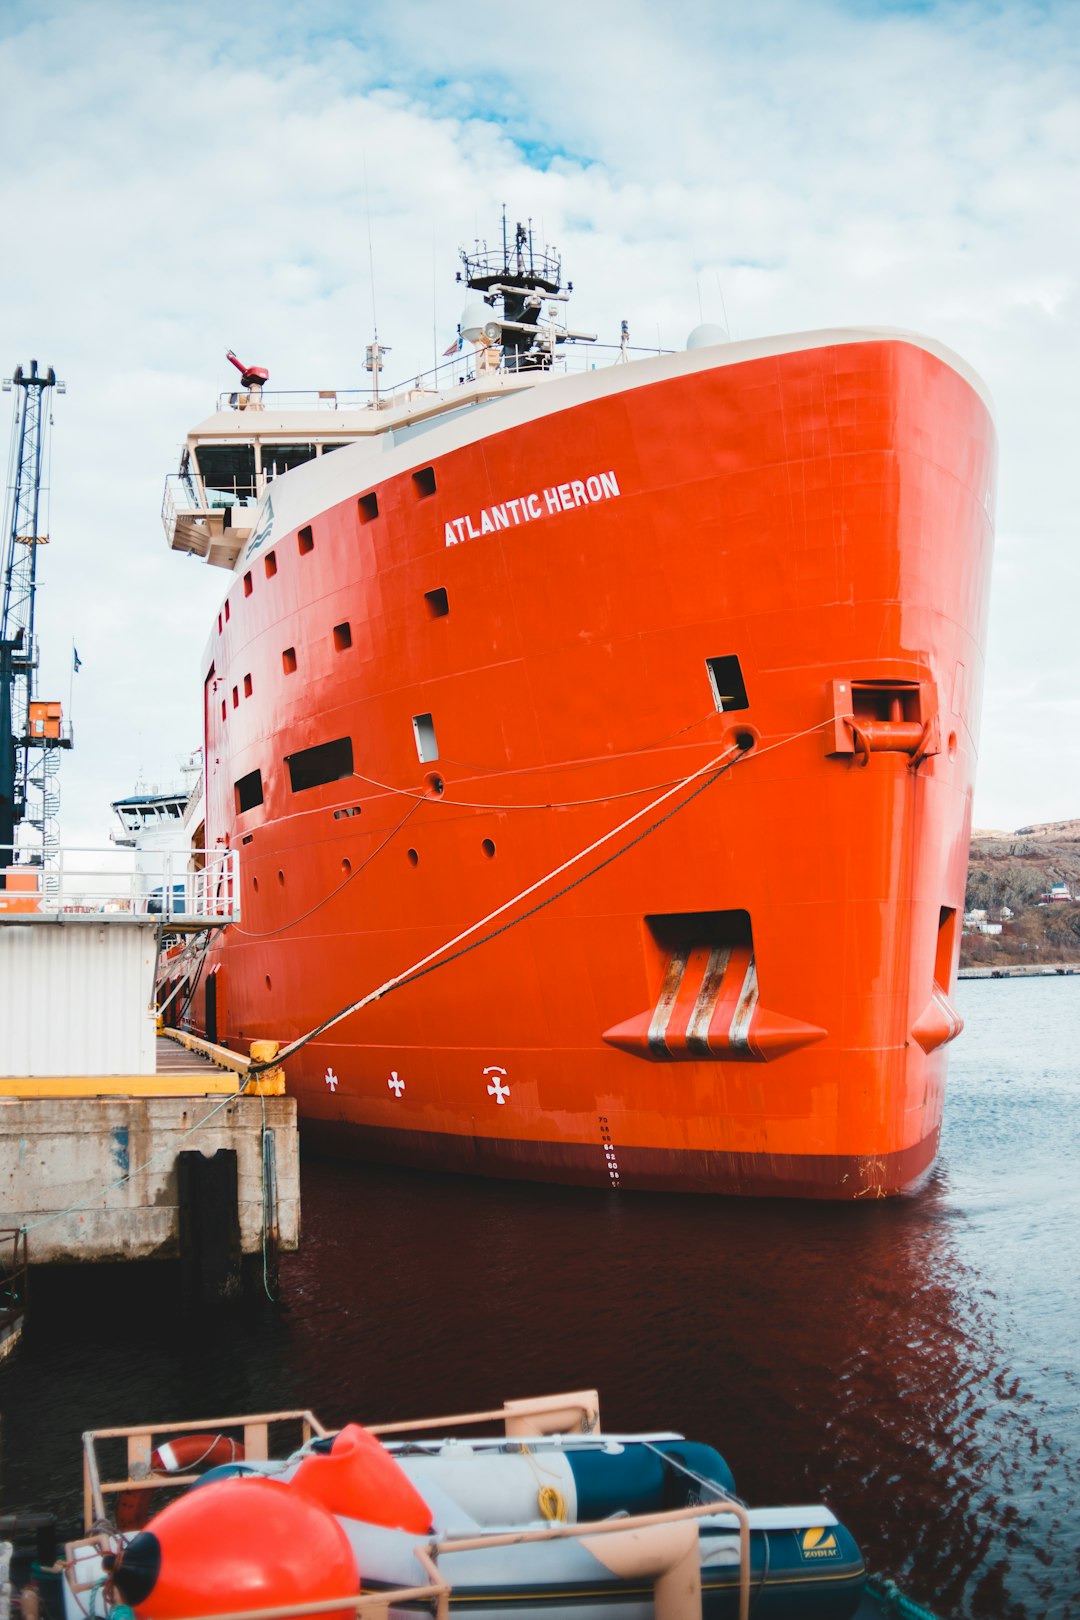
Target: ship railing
[
  {"x": 444, "y": 378},
  {"x": 163, "y": 886},
  {"x": 662, "y": 1548},
  {"x": 188, "y": 498}
]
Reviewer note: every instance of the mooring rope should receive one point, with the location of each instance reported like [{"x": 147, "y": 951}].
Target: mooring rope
[{"x": 439, "y": 958}]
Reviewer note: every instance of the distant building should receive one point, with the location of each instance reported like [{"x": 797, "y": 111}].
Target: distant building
[
  {"x": 975, "y": 922},
  {"x": 1057, "y": 891}
]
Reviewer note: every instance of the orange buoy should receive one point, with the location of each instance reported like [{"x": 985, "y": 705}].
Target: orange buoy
[
  {"x": 176, "y": 1456},
  {"x": 245, "y": 1543},
  {"x": 358, "y": 1479}
]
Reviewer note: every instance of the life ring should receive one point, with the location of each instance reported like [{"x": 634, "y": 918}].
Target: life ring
[{"x": 178, "y": 1456}]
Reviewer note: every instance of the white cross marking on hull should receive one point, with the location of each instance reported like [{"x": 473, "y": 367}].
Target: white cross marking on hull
[
  {"x": 331, "y": 1079},
  {"x": 496, "y": 1088},
  {"x": 396, "y": 1086}
]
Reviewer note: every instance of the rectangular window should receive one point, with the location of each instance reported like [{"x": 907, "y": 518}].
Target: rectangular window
[
  {"x": 249, "y": 791},
  {"x": 368, "y": 507},
  {"x": 235, "y": 698},
  {"x": 247, "y": 685},
  {"x": 247, "y": 583},
  {"x": 305, "y": 540},
  {"x": 342, "y": 636},
  {"x": 288, "y": 660},
  {"x": 424, "y": 732},
  {"x": 270, "y": 564},
  {"x": 279, "y": 458},
  {"x": 438, "y": 603},
  {"x": 728, "y": 687},
  {"x": 424, "y": 482},
  {"x": 328, "y": 762},
  {"x": 228, "y": 472}
]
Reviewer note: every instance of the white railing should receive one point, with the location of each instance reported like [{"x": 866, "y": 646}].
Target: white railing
[
  {"x": 187, "y": 495},
  {"x": 162, "y": 885},
  {"x": 444, "y": 378}
]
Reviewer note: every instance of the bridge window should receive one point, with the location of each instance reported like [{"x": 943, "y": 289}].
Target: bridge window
[
  {"x": 328, "y": 762},
  {"x": 228, "y": 471},
  {"x": 281, "y": 458}
]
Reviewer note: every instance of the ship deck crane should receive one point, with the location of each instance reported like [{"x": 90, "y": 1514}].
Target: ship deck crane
[{"x": 32, "y": 731}]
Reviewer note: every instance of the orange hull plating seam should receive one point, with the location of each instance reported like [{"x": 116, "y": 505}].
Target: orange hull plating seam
[{"x": 755, "y": 997}]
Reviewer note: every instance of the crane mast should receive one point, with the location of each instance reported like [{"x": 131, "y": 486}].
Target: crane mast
[{"x": 31, "y": 731}]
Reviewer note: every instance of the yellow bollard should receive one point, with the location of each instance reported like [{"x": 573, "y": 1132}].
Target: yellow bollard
[{"x": 270, "y": 1082}]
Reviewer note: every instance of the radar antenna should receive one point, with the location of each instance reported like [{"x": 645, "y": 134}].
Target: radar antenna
[{"x": 516, "y": 284}]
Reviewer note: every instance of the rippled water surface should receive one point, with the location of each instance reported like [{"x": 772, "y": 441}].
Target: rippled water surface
[{"x": 915, "y": 1363}]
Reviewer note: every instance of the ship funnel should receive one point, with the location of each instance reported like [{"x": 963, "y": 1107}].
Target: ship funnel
[{"x": 706, "y": 337}]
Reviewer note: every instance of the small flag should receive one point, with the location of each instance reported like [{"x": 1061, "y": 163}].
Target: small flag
[
  {"x": 78, "y": 660},
  {"x": 455, "y": 346}
]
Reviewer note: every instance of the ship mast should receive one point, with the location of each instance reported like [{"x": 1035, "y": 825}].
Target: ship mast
[{"x": 522, "y": 278}]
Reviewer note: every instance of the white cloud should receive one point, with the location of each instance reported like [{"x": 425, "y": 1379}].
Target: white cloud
[{"x": 180, "y": 181}]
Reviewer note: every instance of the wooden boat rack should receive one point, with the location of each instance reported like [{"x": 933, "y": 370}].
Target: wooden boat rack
[{"x": 662, "y": 1547}]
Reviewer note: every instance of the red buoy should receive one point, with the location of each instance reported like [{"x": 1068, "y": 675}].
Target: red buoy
[
  {"x": 358, "y": 1479},
  {"x": 243, "y": 1543}
]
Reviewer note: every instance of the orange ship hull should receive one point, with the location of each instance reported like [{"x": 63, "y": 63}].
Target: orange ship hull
[{"x": 753, "y": 996}]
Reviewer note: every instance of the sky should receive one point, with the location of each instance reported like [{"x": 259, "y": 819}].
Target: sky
[{"x": 281, "y": 179}]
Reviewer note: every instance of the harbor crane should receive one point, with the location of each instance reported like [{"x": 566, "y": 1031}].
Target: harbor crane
[{"x": 32, "y": 731}]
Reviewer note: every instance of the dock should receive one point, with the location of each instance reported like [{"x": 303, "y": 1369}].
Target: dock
[
  {"x": 120, "y": 1141},
  {"x": 1021, "y": 970}
]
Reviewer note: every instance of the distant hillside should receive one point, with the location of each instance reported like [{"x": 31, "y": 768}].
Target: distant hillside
[{"x": 1014, "y": 870}]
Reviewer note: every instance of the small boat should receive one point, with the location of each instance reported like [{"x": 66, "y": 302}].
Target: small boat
[{"x": 551, "y": 1518}]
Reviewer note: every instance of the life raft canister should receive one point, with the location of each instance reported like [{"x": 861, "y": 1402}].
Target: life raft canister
[
  {"x": 355, "y": 1477},
  {"x": 176, "y": 1456},
  {"x": 247, "y": 1543}
]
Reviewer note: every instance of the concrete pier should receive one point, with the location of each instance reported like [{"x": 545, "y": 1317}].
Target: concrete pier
[{"x": 60, "y": 1153}]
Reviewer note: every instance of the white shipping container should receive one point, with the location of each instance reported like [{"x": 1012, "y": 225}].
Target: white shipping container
[{"x": 76, "y": 995}]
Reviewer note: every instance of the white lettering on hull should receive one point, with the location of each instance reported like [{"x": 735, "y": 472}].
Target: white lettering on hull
[{"x": 551, "y": 502}]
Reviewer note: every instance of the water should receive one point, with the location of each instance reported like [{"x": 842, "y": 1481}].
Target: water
[{"x": 915, "y": 1363}]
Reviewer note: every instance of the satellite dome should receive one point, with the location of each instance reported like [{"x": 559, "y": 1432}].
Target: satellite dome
[
  {"x": 479, "y": 324},
  {"x": 706, "y": 336}
]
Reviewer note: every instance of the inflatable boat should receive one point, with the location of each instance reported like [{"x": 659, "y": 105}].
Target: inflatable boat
[{"x": 552, "y": 1519}]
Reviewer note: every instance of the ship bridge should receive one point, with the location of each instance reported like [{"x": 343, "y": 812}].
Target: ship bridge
[{"x": 228, "y": 462}]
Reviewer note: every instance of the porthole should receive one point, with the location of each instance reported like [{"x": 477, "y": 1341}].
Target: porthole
[
  {"x": 255, "y": 884},
  {"x": 346, "y": 866},
  {"x": 488, "y": 847},
  {"x": 269, "y": 986},
  {"x": 412, "y": 857},
  {"x": 281, "y": 878}
]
